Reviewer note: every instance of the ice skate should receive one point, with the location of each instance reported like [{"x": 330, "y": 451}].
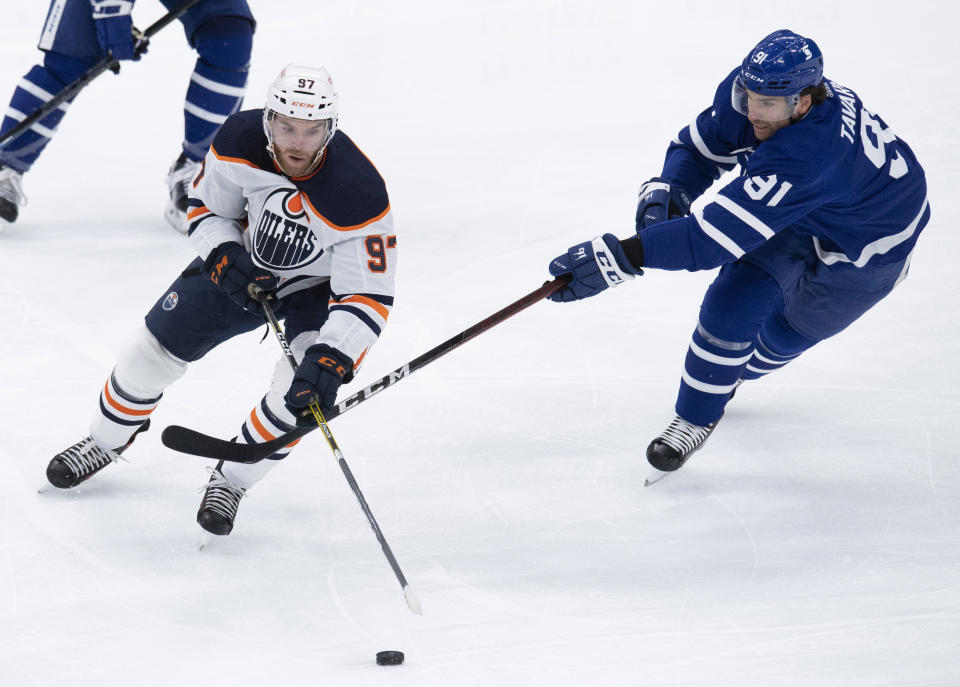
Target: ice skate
[
  {"x": 669, "y": 451},
  {"x": 11, "y": 194},
  {"x": 179, "y": 178},
  {"x": 83, "y": 460},
  {"x": 221, "y": 499}
]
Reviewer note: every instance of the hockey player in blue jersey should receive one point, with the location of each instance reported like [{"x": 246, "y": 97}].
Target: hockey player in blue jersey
[
  {"x": 819, "y": 226},
  {"x": 286, "y": 202},
  {"x": 79, "y": 33}
]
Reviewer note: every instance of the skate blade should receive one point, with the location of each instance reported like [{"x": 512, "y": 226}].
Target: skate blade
[
  {"x": 655, "y": 476},
  {"x": 204, "y": 539}
]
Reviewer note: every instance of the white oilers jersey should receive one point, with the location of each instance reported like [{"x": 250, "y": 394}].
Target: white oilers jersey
[{"x": 334, "y": 224}]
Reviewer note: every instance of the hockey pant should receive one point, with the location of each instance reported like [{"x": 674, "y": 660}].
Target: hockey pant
[
  {"x": 192, "y": 318},
  {"x": 71, "y": 48}
]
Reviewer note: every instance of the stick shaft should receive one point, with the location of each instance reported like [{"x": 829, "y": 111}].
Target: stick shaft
[
  {"x": 96, "y": 70},
  {"x": 443, "y": 348},
  {"x": 186, "y": 440},
  {"x": 341, "y": 461}
]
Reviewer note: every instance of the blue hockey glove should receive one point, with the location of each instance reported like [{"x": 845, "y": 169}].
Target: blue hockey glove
[
  {"x": 115, "y": 28},
  {"x": 231, "y": 268},
  {"x": 659, "y": 201},
  {"x": 318, "y": 377},
  {"x": 595, "y": 266}
]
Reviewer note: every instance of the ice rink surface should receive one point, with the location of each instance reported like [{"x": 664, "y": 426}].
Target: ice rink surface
[{"x": 815, "y": 541}]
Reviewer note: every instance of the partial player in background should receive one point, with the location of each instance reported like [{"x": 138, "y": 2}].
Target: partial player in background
[
  {"x": 285, "y": 205},
  {"x": 819, "y": 227},
  {"x": 79, "y": 33}
]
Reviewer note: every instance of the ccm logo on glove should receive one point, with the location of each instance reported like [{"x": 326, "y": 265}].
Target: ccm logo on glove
[{"x": 320, "y": 374}]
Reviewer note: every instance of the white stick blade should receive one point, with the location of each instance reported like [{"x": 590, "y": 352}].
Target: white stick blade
[{"x": 412, "y": 601}]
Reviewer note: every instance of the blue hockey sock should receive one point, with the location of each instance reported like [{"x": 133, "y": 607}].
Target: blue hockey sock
[
  {"x": 734, "y": 308},
  {"x": 218, "y": 82},
  {"x": 710, "y": 373},
  {"x": 777, "y": 344},
  {"x": 35, "y": 88}
]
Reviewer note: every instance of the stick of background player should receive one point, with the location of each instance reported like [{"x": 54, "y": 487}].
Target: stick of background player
[
  {"x": 196, "y": 443},
  {"x": 331, "y": 266},
  {"x": 322, "y": 374},
  {"x": 83, "y": 38},
  {"x": 109, "y": 62},
  {"x": 819, "y": 227}
]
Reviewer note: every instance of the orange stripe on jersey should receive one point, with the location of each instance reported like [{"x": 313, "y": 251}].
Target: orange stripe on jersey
[
  {"x": 198, "y": 211},
  {"x": 356, "y": 365},
  {"x": 337, "y": 226},
  {"x": 203, "y": 167},
  {"x": 257, "y": 425},
  {"x": 238, "y": 160},
  {"x": 369, "y": 302},
  {"x": 122, "y": 408}
]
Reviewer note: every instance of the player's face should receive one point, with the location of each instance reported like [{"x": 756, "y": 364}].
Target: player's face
[
  {"x": 296, "y": 142},
  {"x": 770, "y": 113}
]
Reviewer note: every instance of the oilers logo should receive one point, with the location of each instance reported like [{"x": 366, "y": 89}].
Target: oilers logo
[
  {"x": 282, "y": 239},
  {"x": 170, "y": 301}
]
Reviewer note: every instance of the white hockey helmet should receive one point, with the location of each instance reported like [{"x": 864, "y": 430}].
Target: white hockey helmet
[{"x": 302, "y": 93}]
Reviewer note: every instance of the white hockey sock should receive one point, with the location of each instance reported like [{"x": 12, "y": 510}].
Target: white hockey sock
[
  {"x": 144, "y": 369},
  {"x": 245, "y": 475}
]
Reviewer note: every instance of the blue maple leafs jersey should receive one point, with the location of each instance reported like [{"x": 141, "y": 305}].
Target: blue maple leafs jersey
[{"x": 839, "y": 175}]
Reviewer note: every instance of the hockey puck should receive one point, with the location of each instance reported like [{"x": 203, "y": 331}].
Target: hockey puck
[{"x": 389, "y": 658}]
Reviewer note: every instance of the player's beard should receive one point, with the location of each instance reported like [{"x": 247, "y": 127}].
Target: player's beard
[
  {"x": 297, "y": 163},
  {"x": 770, "y": 128}
]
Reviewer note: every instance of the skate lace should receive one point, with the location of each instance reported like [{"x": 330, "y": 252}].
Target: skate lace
[
  {"x": 11, "y": 186},
  {"x": 684, "y": 436},
  {"x": 85, "y": 457},
  {"x": 222, "y": 496}
]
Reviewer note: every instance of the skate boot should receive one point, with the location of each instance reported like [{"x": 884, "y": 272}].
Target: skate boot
[
  {"x": 669, "y": 451},
  {"x": 83, "y": 460},
  {"x": 179, "y": 178},
  {"x": 221, "y": 499},
  {"x": 11, "y": 194}
]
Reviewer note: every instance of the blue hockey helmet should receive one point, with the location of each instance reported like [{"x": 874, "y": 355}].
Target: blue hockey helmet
[
  {"x": 779, "y": 67},
  {"x": 783, "y": 63}
]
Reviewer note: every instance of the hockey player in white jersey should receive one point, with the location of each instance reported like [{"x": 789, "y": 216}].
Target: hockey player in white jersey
[
  {"x": 284, "y": 205},
  {"x": 818, "y": 228}
]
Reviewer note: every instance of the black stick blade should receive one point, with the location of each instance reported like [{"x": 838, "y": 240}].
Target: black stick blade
[{"x": 186, "y": 440}]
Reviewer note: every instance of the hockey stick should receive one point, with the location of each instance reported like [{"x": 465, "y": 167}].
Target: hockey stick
[
  {"x": 408, "y": 594},
  {"x": 195, "y": 443},
  {"x": 96, "y": 70}
]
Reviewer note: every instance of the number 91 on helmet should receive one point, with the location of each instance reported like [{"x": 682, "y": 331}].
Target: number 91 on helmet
[
  {"x": 300, "y": 118},
  {"x": 775, "y": 73}
]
